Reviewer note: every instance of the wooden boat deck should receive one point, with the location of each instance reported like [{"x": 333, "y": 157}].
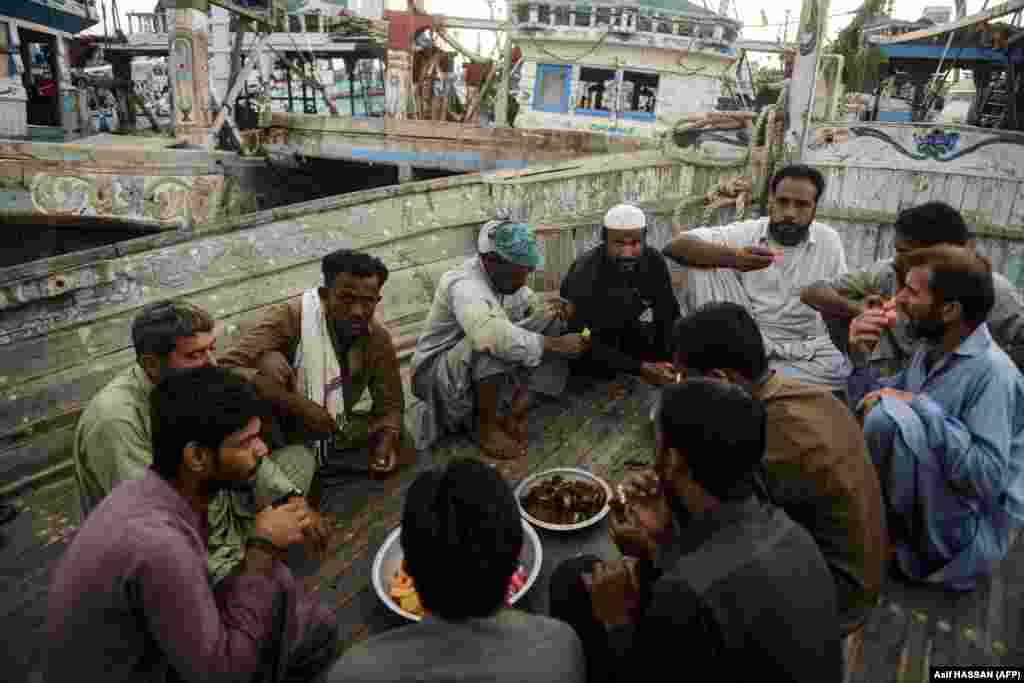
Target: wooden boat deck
[{"x": 914, "y": 627}]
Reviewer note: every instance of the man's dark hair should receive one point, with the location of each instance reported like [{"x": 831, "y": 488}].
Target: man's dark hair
[
  {"x": 720, "y": 429},
  {"x": 157, "y": 327},
  {"x": 720, "y": 335},
  {"x": 462, "y": 536},
  {"x": 932, "y": 223},
  {"x": 356, "y": 263},
  {"x": 204, "y": 405},
  {"x": 958, "y": 274},
  {"x": 800, "y": 172}
]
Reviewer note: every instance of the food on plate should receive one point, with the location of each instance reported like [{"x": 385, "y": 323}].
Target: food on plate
[
  {"x": 516, "y": 583},
  {"x": 558, "y": 500},
  {"x": 403, "y": 591}
]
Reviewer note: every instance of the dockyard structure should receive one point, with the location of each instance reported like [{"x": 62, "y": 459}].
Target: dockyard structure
[
  {"x": 37, "y": 97},
  {"x": 922, "y": 66},
  {"x": 622, "y": 67}
]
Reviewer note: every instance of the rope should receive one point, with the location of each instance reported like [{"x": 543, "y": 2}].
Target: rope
[
  {"x": 743, "y": 188},
  {"x": 567, "y": 60}
]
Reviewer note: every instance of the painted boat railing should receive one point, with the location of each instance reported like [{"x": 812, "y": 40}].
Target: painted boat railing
[{"x": 64, "y": 322}]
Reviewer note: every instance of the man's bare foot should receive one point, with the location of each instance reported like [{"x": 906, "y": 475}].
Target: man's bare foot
[
  {"x": 617, "y": 391},
  {"x": 497, "y": 443},
  {"x": 516, "y": 427}
]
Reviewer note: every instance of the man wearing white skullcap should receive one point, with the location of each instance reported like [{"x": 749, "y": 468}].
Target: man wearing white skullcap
[
  {"x": 488, "y": 344},
  {"x": 621, "y": 291},
  {"x": 763, "y": 264}
]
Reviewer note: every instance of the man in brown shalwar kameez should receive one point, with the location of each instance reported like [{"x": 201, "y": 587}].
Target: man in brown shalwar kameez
[{"x": 315, "y": 357}]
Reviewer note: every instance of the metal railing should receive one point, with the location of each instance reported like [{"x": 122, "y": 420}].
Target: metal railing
[{"x": 149, "y": 22}]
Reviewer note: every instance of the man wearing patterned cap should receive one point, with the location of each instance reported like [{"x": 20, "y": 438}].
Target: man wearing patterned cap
[
  {"x": 488, "y": 343},
  {"x": 621, "y": 291}
]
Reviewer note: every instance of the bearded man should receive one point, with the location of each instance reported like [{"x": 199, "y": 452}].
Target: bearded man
[
  {"x": 925, "y": 226},
  {"x": 947, "y": 432},
  {"x": 763, "y": 264},
  {"x": 622, "y": 292}
]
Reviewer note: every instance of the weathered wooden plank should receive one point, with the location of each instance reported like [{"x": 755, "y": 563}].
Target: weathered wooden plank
[
  {"x": 1009, "y": 645},
  {"x": 995, "y": 616},
  {"x": 885, "y": 244},
  {"x": 996, "y": 200},
  {"x": 34, "y": 454},
  {"x": 944, "y": 638},
  {"x": 29, "y": 358},
  {"x": 912, "y": 666},
  {"x": 45, "y": 267},
  {"x": 973, "y": 190},
  {"x": 364, "y": 506},
  {"x": 43, "y": 450},
  {"x": 353, "y": 586},
  {"x": 306, "y": 235},
  {"x": 834, "y": 180},
  {"x": 956, "y": 185},
  {"x": 405, "y": 295},
  {"x": 860, "y": 242},
  {"x": 868, "y": 189},
  {"x": 914, "y": 190},
  {"x": 884, "y": 637},
  {"x": 889, "y": 192}
]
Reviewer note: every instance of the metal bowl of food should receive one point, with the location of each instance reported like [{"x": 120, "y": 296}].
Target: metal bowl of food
[
  {"x": 395, "y": 589},
  {"x": 564, "y": 499}
]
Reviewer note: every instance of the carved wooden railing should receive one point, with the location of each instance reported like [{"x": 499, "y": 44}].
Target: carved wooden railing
[{"x": 623, "y": 20}]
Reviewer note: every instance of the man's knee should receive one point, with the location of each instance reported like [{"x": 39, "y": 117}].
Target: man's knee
[
  {"x": 298, "y": 462},
  {"x": 274, "y": 366},
  {"x": 487, "y": 367}
]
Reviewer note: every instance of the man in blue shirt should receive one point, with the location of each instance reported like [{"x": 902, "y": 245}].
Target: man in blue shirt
[{"x": 946, "y": 433}]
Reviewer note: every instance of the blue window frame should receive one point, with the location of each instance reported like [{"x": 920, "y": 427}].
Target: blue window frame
[
  {"x": 639, "y": 95},
  {"x": 552, "y": 89}
]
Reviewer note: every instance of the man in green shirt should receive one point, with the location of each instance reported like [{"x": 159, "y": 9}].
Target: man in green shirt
[{"x": 113, "y": 439}]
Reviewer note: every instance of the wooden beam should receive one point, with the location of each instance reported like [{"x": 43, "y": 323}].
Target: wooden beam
[
  {"x": 251, "y": 60},
  {"x": 470, "y": 23},
  {"x": 259, "y": 18},
  {"x": 501, "y": 102},
  {"x": 997, "y": 11}
]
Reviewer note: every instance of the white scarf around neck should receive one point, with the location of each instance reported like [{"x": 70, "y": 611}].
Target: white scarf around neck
[{"x": 318, "y": 370}]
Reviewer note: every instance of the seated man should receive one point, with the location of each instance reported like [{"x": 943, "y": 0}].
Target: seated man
[
  {"x": 763, "y": 264},
  {"x": 816, "y": 461},
  {"x": 621, "y": 291},
  {"x": 847, "y": 296},
  {"x": 947, "y": 432},
  {"x": 313, "y": 359},
  {"x": 114, "y": 438},
  {"x": 489, "y": 340},
  {"x": 725, "y": 580},
  {"x": 462, "y": 536},
  {"x": 130, "y": 599}
]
